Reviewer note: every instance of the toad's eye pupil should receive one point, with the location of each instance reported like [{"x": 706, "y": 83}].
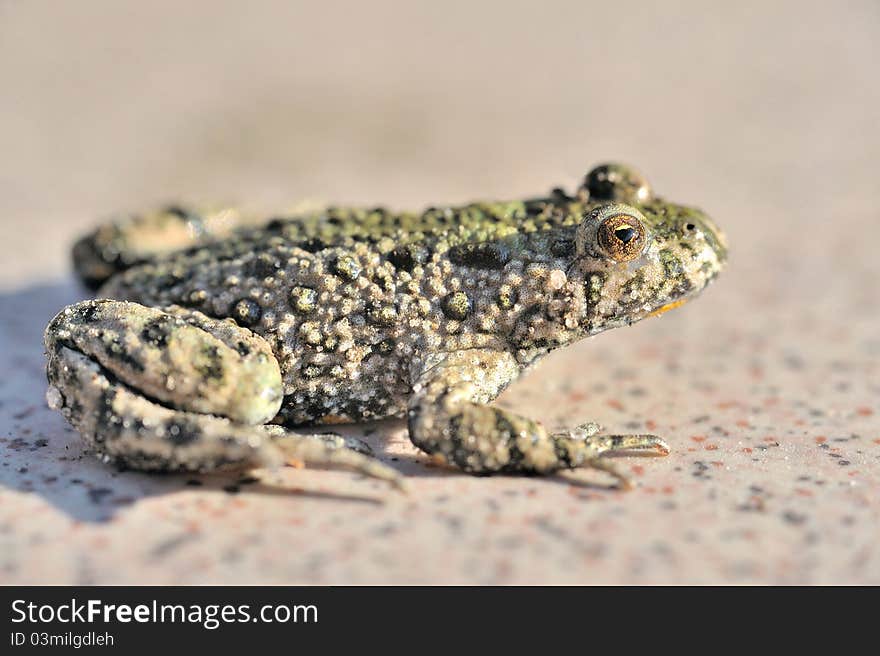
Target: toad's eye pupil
[{"x": 625, "y": 234}]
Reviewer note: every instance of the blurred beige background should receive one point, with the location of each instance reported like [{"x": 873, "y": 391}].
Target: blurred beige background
[{"x": 763, "y": 113}]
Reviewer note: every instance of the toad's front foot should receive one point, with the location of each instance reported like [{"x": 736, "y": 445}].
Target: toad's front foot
[
  {"x": 484, "y": 440},
  {"x": 448, "y": 417},
  {"x": 582, "y": 446}
]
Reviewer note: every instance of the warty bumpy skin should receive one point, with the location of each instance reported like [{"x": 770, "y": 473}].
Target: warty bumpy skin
[{"x": 215, "y": 332}]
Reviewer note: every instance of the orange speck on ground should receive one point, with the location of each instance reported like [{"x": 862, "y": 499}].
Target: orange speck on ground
[
  {"x": 770, "y": 438},
  {"x": 614, "y": 403},
  {"x": 651, "y": 425},
  {"x": 864, "y": 411},
  {"x": 296, "y": 464},
  {"x": 742, "y": 423},
  {"x": 804, "y": 493},
  {"x": 577, "y": 396},
  {"x": 747, "y": 449},
  {"x": 711, "y": 447},
  {"x": 877, "y": 441},
  {"x": 821, "y": 439},
  {"x": 717, "y": 463},
  {"x": 100, "y": 541},
  {"x": 726, "y": 405},
  {"x": 638, "y": 470},
  {"x": 698, "y": 438},
  {"x": 667, "y": 489}
]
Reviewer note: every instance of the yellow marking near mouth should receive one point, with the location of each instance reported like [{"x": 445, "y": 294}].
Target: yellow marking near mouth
[{"x": 668, "y": 307}]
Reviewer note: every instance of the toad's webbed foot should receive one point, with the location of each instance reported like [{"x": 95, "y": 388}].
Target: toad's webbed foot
[
  {"x": 174, "y": 390},
  {"x": 448, "y": 417}
]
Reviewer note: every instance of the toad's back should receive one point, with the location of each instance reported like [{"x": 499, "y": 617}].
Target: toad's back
[{"x": 349, "y": 298}]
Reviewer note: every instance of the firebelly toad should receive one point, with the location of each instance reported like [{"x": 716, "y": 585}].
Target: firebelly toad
[{"x": 215, "y": 333}]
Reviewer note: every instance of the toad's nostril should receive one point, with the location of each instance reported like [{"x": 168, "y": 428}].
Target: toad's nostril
[{"x": 690, "y": 226}]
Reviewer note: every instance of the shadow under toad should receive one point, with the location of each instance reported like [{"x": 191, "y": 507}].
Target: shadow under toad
[{"x": 41, "y": 454}]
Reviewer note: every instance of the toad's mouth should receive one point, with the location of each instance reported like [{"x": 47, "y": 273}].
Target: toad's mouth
[{"x": 681, "y": 300}]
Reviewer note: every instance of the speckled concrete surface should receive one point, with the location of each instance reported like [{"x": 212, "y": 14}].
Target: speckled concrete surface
[{"x": 767, "y": 387}]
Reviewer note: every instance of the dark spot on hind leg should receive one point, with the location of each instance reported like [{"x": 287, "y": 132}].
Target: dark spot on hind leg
[{"x": 156, "y": 331}]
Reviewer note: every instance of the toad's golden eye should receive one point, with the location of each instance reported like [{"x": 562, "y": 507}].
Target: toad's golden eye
[{"x": 622, "y": 236}]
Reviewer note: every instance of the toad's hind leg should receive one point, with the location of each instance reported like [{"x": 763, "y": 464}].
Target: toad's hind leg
[
  {"x": 448, "y": 417},
  {"x": 130, "y": 239},
  {"x": 175, "y": 390}
]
